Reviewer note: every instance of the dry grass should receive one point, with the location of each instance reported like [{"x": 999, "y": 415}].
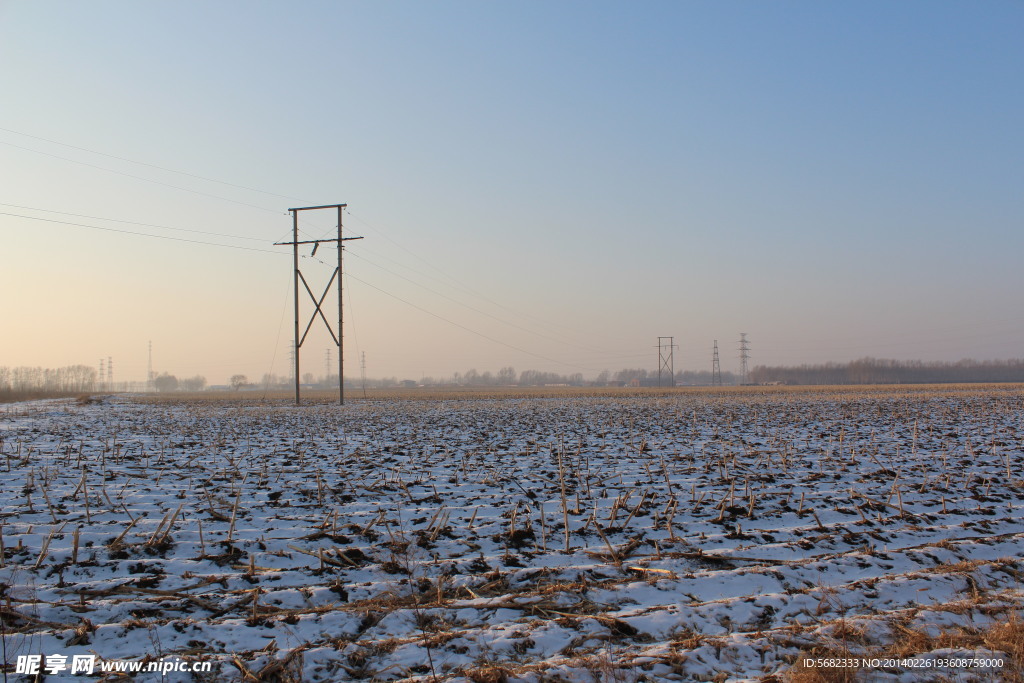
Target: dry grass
[
  {"x": 425, "y": 472},
  {"x": 1006, "y": 638},
  {"x": 851, "y": 392},
  {"x": 10, "y": 396}
]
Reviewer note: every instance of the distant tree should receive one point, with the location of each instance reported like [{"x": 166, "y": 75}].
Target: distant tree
[
  {"x": 238, "y": 381},
  {"x": 272, "y": 380},
  {"x": 507, "y": 375},
  {"x": 630, "y": 374},
  {"x": 197, "y": 383},
  {"x": 888, "y": 371},
  {"x": 165, "y": 382}
]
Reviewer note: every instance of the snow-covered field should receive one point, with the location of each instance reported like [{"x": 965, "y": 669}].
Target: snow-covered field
[{"x": 704, "y": 536}]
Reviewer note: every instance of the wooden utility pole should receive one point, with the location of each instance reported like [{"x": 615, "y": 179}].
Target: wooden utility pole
[{"x": 318, "y": 303}]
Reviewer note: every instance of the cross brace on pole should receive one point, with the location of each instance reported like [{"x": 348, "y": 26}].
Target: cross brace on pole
[{"x": 318, "y": 303}]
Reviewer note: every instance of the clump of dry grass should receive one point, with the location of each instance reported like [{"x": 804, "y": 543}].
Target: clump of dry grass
[
  {"x": 803, "y": 674},
  {"x": 488, "y": 672},
  {"x": 1006, "y": 637},
  {"x": 907, "y": 642}
]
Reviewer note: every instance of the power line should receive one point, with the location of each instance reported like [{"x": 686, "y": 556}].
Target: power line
[
  {"x": 473, "y": 308},
  {"x": 394, "y": 296},
  {"x": 511, "y": 324},
  {"x": 355, "y": 334},
  {"x": 148, "y": 225},
  {"x": 200, "y": 177},
  {"x": 136, "y": 177},
  {"x": 452, "y": 282},
  {"x": 468, "y": 329},
  {"x": 143, "y": 163},
  {"x": 138, "y": 234},
  {"x": 277, "y": 339}
]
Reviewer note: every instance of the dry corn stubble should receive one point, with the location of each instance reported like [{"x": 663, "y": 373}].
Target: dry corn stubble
[{"x": 213, "y": 523}]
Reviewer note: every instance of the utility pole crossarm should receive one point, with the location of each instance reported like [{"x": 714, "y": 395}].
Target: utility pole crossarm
[
  {"x": 314, "y": 208},
  {"x": 289, "y": 244}
]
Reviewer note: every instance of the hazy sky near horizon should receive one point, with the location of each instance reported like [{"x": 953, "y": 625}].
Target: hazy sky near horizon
[{"x": 546, "y": 185}]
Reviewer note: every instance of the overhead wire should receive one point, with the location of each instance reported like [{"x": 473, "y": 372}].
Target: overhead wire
[
  {"x": 148, "y": 225},
  {"x": 200, "y": 177},
  {"x": 143, "y": 179},
  {"x": 148, "y": 180},
  {"x": 359, "y": 255},
  {"x": 277, "y": 340},
  {"x": 473, "y": 291},
  {"x": 468, "y": 329},
  {"x": 347, "y": 275},
  {"x": 143, "y": 163},
  {"x": 139, "y": 234},
  {"x": 351, "y": 319},
  {"x": 232, "y": 246},
  {"x": 436, "y": 315},
  {"x": 472, "y": 308},
  {"x": 448, "y": 279}
]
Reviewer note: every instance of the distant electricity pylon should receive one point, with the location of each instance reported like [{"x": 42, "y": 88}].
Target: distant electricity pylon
[
  {"x": 291, "y": 361},
  {"x": 110, "y": 373},
  {"x": 297, "y": 276},
  {"x": 149, "y": 369},
  {"x": 744, "y": 357},
  {"x": 716, "y": 368},
  {"x": 103, "y": 375},
  {"x": 362, "y": 372},
  {"x": 327, "y": 367},
  {"x": 666, "y": 363}
]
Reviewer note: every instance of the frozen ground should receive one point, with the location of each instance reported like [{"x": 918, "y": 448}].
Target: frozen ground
[{"x": 718, "y": 537}]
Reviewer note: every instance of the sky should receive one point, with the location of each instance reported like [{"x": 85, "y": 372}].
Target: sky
[{"x": 542, "y": 185}]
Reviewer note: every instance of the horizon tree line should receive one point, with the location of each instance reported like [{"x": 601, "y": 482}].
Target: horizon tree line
[{"x": 84, "y": 378}]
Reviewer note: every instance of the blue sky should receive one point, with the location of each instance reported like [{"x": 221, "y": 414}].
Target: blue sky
[{"x": 544, "y": 185}]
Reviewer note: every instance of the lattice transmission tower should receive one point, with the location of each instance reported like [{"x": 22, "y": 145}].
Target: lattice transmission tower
[
  {"x": 716, "y": 368},
  {"x": 362, "y": 371},
  {"x": 744, "y": 357}
]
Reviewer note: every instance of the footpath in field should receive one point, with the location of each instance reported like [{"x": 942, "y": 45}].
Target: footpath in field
[{"x": 692, "y": 537}]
